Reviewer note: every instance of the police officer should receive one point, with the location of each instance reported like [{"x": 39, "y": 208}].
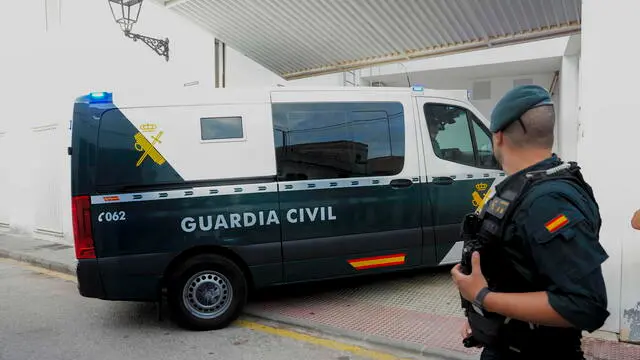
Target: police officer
[{"x": 536, "y": 282}]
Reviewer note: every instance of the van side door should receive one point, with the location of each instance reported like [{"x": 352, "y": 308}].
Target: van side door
[
  {"x": 460, "y": 170},
  {"x": 348, "y": 179}
]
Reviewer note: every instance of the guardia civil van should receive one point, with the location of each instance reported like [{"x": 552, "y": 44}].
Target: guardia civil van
[{"x": 203, "y": 198}]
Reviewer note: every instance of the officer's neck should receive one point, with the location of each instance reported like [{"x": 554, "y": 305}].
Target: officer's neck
[{"x": 519, "y": 160}]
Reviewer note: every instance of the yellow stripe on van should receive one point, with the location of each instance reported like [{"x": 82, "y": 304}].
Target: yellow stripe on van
[{"x": 378, "y": 261}]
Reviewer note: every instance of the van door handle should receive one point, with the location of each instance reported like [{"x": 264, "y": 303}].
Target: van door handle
[
  {"x": 443, "y": 180},
  {"x": 401, "y": 183}
]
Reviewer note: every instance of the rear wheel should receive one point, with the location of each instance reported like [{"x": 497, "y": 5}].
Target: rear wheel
[{"x": 207, "y": 292}]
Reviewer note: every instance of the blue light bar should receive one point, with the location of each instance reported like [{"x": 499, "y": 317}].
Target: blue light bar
[
  {"x": 418, "y": 88},
  {"x": 100, "y": 97}
]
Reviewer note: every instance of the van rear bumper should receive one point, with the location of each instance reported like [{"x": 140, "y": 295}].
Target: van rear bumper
[
  {"x": 122, "y": 278},
  {"x": 89, "y": 281},
  {"x": 133, "y": 277}
]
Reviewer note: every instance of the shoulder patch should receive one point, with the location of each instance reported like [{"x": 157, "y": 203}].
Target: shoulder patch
[
  {"x": 497, "y": 207},
  {"x": 556, "y": 223}
]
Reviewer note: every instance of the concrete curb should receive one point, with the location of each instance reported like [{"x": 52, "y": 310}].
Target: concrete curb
[
  {"x": 405, "y": 346},
  {"x": 35, "y": 261}
]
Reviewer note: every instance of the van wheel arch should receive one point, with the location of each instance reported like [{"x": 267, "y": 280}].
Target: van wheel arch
[
  {"x": 206, "y": 288},
  {"x": 206, "y": 249}
]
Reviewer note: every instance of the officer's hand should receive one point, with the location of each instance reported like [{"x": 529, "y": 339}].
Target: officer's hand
[
  {"x": 466, "y": 332},
  {"x": 469, "y": 285}
]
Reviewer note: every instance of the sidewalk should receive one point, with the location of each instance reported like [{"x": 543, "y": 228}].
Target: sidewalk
[{"x": 418, "y": 312}]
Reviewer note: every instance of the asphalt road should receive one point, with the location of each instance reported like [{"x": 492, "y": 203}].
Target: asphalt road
[{"x": 43, "y": 317}]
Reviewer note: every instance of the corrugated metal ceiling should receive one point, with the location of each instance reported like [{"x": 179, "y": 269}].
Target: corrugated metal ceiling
[{"x": 300, "y": 38}]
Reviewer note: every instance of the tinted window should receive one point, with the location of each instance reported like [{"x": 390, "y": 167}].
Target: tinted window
[
  {"x": 458, "y": 136},
  {"x": 221, "y": 128},
  {"x": 449, "y": 132},
  {"x": 338, "y": 140}
]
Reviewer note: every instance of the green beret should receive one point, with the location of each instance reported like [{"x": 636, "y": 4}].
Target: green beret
[{"x": 515, "y": 103}]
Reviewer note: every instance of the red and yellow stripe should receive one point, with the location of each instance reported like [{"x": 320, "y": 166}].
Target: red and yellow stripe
[
  {"x": 111, "y": 198},
  {"x": 556, "y": 223},
  {"x": 378, "y": 261}
]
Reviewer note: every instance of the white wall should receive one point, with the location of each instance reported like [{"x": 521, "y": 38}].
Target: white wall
[
  {"x": 567, "y": 127},
  {"x": 500, "y": 86},
  {"x": 51, "y": 56},
  {"x": 243, "y": 72},
  {"x": 609, "y": 147}
]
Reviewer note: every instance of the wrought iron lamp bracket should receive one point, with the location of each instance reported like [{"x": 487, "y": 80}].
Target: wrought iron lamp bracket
[{"x": 161, "y": 47}]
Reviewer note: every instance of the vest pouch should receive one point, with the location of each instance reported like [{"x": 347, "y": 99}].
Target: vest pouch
[
  {"x": 470, "y": 226},
  {"x": 519, "y": 337},
  {"x": 515, "y": 337},
  {"x": 486, "y": 330}
]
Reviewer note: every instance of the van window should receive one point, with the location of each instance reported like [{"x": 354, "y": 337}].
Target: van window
[
  {"x": 338, "y": 140},
  {"x": 458, "y": 136},
  {"x": 485, "y": 158},
  {"x": 220, "y": 128}
]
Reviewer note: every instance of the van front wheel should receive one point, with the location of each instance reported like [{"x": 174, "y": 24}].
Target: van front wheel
[{"x": 207, "y": 292}]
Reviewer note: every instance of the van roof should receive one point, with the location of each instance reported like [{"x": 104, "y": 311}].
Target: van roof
[{"x": 135, "y": 97}]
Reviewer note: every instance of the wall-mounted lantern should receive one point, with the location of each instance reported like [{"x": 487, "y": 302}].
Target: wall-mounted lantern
[{"x": 125, "y": 13}]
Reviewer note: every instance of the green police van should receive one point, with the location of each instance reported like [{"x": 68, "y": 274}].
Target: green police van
[{"x": 206, "y": 197}]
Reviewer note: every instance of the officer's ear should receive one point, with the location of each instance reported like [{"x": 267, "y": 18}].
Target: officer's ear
[
  {"x": 635, "y": 220},
  {"x": 498, "y": 139}
]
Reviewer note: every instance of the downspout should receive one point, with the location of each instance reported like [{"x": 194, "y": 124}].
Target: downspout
[
  {"x": 216, "y": 57},
  {"x": 554, "y": 83},
  {"x": 224, "y": 64}
]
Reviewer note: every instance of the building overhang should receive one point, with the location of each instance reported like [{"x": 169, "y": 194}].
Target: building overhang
[
  {"x": 303, "y": 38},
  {"x": 536, "y": 57}
]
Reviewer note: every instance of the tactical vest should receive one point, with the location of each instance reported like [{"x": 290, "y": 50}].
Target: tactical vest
[
  {"x": 518, "y": 276},
  {"x": 504, "y": 274}
]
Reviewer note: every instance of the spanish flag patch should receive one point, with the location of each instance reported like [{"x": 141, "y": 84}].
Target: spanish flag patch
[{"x": 556, "y": 223}]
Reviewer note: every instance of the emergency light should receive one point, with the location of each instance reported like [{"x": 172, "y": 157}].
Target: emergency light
[{"x": 100, "y": 97}]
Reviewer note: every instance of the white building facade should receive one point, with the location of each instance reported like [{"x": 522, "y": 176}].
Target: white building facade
[{"x": 608, "y": 72}]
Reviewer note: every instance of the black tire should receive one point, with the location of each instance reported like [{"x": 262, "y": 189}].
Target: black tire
[{"x": 207, "y": 304}]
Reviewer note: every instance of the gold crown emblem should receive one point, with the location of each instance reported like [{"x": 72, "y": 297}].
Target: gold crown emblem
[
  {"x": 481, "y": 187},
  {"x": 148, "y": 127}
]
